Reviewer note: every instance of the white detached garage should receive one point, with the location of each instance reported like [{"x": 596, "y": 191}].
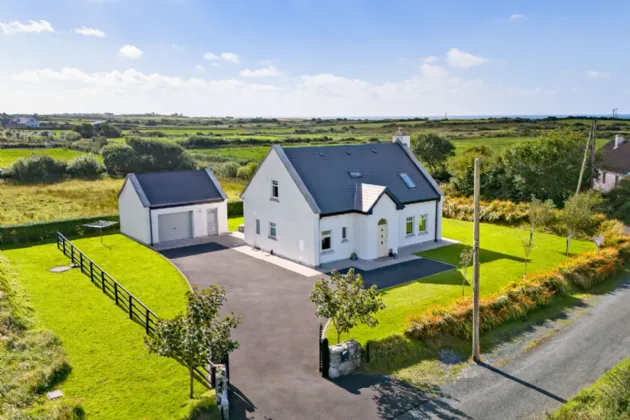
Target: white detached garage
[{"x": 160, "y": 207}]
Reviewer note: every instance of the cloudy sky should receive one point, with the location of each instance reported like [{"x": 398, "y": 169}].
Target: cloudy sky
[{"x": 314, "y": 57}]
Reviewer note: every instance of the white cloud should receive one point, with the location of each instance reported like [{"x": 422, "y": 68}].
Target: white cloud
[
  {"x": 432, "y": 90},
  {"x": 592, "y": 74},
  {"x": 130, "y": 51},
  {"x": 32, "y": 26},
  {"x": 226, "y": 56},
  {"x": 215, "y": 65},
  {"x": 175, "y": 47},
  {"x": 270, "y": 71},
  {"x": 463, "y": 60},
  {"x": 85, "y": 31},
  {"x": 200, "y": 67},
  {"x": 518, "y": 16},
  {"x": 431, "y": 59}
]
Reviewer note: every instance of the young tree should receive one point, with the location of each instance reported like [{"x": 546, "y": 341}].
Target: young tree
[
  {"x": 465, "y": 259},
  {"x": 577, "y": 213},
  {"x": 540, "y": 213},
  {"x": 345, "y": 302},
  {"x": 199, "y": 335},
  {"x": 434, "y": 150},
  {"x": 527, "y": 249}
]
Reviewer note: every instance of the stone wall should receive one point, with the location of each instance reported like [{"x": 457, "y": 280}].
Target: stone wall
[{"x": 345, "y": 358}]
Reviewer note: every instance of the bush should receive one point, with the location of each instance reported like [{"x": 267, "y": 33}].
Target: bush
[
  {"x": 156, "y": 155},
  {"x": 235, "y": 208},
  {"x": 72, "y": 136},
  {"x": 85, "y": 167},
  {"x": 227, "y": 170},
  {"x": 37, "y": 169},
  {"x": 246, "y": 172},
  {"x": 120, "y": 160},
  {"x": 617, "y": 201}
]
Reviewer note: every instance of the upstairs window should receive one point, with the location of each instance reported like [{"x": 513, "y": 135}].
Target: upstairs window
[
  {"x": 274, "y": 189},
  {"x": 355, "y": 174},
  {"x": 422, "y": 223},
  {"x": 407, "y": 180},
  {"x": 409, "y": 225},
  {"x": 326, "y": 240}
]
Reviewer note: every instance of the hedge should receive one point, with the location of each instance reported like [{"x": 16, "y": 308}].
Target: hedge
[
  {"x": 235, "y": 208},
  {"x": 42, "y": 231},
  {"x": 517, "y": 299}
]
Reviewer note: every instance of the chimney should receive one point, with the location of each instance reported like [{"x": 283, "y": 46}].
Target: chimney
[
  {"x": 403, "y": 137},
  {"x": 618, "y": 140}
]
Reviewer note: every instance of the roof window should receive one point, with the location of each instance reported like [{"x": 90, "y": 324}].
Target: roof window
[
  {"x": 407, "y": 180},
  {"x": 355, "y": 174}
]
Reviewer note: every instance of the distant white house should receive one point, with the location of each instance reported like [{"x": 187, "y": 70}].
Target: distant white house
[
  {"x": 614, "y": 164},
  {"x": 167, "y": 206},
  {"x": 316, "y": 205},
  {"x": 23, "y": 122}
]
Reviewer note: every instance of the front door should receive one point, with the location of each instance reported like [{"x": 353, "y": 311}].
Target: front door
[
  {"x": 213, "y": 226},
  {"x": 383, "y": 249}
]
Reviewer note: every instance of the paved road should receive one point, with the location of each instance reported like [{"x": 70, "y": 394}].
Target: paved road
[
  {"x": 274, "y": 373},
  {"x": 544, "y": 378}
]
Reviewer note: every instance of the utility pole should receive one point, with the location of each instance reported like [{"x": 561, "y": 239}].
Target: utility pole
[
  {"x": 593, "y": 148},
  {"x": 475, "y": 343},
  {"x": 586, "y": 151}
]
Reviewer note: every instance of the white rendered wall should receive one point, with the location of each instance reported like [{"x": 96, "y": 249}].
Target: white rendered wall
[
  {"x": 134, "y": 217},
  {"x": 340, "y": 250},
  {"x": 199, "y": 221},
  {"x": 297, "y": 226},
  {"x": 599, "y": 183},
  {"x": 415, "y": 210}
]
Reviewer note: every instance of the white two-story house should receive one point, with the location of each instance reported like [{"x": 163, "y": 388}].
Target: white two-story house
[
  {"x": 614, "y": 164},
  {"x": 316, "y": 205}
]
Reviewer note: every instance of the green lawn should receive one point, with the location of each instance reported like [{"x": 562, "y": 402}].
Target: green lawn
[
  {"x": 608, "y": 398},
  {"x": 112, "y": 372},
  {"x": 8, "y": 156},
  {"x": 501, "y": 263},
  {"x": 234, "y": 222}
]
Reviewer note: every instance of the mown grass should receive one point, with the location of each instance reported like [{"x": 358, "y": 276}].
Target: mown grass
[
  {"x": 234, "y": 222},
  {"x": 8, "y": 156},
  {"x": 606, "y": 399},
  {"x": 112, "y": 373},
  {"x": 502, "y": 261},
  {"x": 64, "y": 200}
]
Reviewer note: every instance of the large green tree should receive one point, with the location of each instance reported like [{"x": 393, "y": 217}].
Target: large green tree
[
  {"x": 156, "y": 155},
  {"x": 199, "y": 335},
  {"x": 547, "y": 167},
  {"x": 461, "y": 169},
  {"x": 433, "y": 150},
  {"x": 345, "y": 301}
]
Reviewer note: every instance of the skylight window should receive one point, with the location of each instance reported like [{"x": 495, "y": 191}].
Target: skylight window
[
  {"x": 355, "y": 174},
  {"x": 407, "y": 180}
]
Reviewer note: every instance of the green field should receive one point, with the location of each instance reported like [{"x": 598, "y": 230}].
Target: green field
[
  {"x": 8, "y": 156},
  {"x": 112, "y": 373},
  {"x": 501, "y": 263}
]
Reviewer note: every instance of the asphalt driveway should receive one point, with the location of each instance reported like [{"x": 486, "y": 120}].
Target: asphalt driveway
[
  {"x": 394, "y": 275},
  {"x": 274, "y": 374}
]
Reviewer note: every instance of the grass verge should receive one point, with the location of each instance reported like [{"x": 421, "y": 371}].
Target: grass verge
[{"x": 112, "y": 373}]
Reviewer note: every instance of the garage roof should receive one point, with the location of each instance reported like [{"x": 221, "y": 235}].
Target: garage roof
[{"x": 177, "y": 188}]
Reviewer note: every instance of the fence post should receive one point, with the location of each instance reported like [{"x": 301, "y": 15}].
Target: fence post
[
  {"x": 319, "y": 344},
  {"x": 81, "y": 261},
  {"x": 72, "y": 253},
  {"x": 64, "y": 247},
  {"x": 213, "y": 373},
  {"x": 130, "y": 307},
  {"x": 147, "y": 320},
  {"x": 116, "y": 293},
  {"x": 367, "y": 352},
  {"x": 91, "y": 271},
  {"x": 325, "y": 357},
  {"x": 102, "y": 279}
]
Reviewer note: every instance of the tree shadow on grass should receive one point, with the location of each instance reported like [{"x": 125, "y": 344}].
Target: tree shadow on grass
[{"x": 450, "y": 255}]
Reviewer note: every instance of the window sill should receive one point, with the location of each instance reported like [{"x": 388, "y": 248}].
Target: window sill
[
  {"x": 328, "y": 251},
  {"x": 410, "y": 235},
  {"x": 423, "y": 233},
  {"x": 273, "y": 238},
  {"x": 343, "y": 241},
  {"x": 274, "y": 199}
]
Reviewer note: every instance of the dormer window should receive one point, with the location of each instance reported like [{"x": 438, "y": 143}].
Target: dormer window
[
  {"x": 407, "y": 180},
  {"x": 355, "y": 174}
]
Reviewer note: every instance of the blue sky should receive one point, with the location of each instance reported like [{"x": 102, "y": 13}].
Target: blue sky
[{"x": 314, "y": 58}]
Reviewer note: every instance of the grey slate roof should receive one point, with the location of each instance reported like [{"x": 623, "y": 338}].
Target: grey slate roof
[
  {"x": 615, "y": 160},
  {"x": 325, "y": 173},
  {"x": 164, "y": 189}
]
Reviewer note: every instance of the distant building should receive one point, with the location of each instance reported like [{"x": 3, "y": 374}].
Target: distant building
[
  {"x": 614, "y": 165},
  {"x": 23, "y": 122}
]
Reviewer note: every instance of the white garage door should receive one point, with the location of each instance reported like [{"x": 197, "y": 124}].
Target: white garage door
[{"x": 175, "y": 226}]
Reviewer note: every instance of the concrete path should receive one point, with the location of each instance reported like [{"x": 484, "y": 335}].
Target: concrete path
[
  {"x": 274, "y": 374},
  {"x": 544, "y": 378}
]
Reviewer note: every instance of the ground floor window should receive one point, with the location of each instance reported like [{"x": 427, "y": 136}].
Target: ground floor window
[
  {"x": 257, "y": 226},
  {"x": 272, "y": 229},
  {"x": 409, "y": 225},
  {"x": 344, "y": 235},
  {"x": 326, "y": 240},
  {"x": 422, "y": 223}
]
